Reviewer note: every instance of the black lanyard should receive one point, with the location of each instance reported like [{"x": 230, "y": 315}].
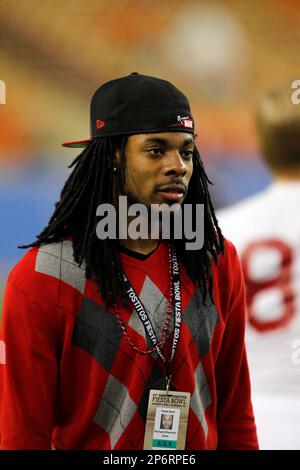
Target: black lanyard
[{"x": 144, "y": 317}]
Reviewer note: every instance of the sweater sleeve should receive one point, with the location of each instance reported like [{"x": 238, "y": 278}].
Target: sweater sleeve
[
  {"x": 28, "y": 372},
  {"x": 236, "y": 424}
]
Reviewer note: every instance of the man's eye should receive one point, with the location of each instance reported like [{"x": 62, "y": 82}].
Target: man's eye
[
  {"x": 156, "y": 152},
  {"x": 187, "y": 154}
]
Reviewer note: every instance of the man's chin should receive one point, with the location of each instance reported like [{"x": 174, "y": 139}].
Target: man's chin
[{"x": 155, "y": 201}]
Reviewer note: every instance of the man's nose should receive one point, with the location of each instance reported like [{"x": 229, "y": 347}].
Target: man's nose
[{"x": 175, "y": 164}]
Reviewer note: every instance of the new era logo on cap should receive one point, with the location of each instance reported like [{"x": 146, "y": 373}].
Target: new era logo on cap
[{"x": 99, "y": 123}]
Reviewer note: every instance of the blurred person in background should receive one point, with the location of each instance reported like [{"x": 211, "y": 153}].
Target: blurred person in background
[
  {"x": 79, "y": 365},
  {"x": 266, "y": 231}
]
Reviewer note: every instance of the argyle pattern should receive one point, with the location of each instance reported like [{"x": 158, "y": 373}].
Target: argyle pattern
[
  {"x": 80, "y": 382},
  {"x": 98, "y": 333}
]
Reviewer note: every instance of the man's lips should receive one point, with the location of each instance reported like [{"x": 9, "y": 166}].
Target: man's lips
[{"x": 173, "y": 192}]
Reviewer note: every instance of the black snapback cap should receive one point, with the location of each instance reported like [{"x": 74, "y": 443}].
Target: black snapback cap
[{"x": 137, "y": 104}]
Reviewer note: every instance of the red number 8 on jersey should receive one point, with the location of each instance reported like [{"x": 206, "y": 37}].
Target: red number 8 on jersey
[{"x": 281, "y": 281}]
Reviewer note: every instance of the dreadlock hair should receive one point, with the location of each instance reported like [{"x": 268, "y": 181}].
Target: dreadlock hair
[{"x": 91, "y": 184}]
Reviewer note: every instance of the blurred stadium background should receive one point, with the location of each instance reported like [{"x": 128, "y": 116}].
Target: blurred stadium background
[{"x": 54, "y": 54}]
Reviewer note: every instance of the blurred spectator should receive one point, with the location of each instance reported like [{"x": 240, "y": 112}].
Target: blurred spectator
[{"x": 266, "y": 231}]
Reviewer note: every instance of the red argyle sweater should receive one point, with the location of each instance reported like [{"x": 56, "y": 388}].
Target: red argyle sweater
[{"x": 70, "y": 379}]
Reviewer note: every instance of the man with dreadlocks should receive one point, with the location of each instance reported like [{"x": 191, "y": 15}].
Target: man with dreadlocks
[{"x": 91, "y": 326}]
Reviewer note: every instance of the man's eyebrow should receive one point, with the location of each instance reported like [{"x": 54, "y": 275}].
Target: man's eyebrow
[
  {"x": 161, "y": 141},
  {"x": 188, "y": 141}
]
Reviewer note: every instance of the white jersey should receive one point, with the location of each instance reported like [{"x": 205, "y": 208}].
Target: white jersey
[{"x": 266, "y": 231}]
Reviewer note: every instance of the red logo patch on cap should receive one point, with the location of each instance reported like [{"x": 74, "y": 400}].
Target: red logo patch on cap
[
  {"x": 185, "y": 121},
  {"x": 99, "y": 124},
  {"x": 188, "y": 123}
]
